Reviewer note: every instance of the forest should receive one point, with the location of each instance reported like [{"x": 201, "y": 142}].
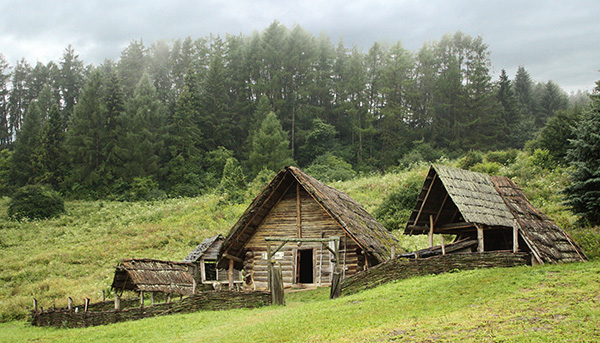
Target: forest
[{"x": 187, "y": 116}]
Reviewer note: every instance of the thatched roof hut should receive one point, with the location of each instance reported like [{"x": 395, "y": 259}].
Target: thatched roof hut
[
  {"x": 150, "y": 275},
  {"x": 208, "y": 250},
  {"x": 472, "y": 205},
  {"x": 296, "y": 205}
]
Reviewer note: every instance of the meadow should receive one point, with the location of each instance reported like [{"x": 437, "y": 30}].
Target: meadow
[{"x": 74, "y": 255}]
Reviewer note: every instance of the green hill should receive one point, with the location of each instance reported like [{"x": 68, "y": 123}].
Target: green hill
[{"x": 75, "y": 254}]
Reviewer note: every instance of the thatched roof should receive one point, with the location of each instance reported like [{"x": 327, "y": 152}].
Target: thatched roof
[
  {"x": 457, "y": 200},
  {"x": 368, "y": 233},
  {"x": 196, "y": 254},
  {"x": 154, "y": 276}
]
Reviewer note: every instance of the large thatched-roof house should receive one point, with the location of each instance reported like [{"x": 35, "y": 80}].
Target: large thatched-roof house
[
  {"x": 295, "y": 205},
  {"x": 491, "y": 210}
]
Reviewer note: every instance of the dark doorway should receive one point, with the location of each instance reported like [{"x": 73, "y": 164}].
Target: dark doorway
[{"x": 305, "y": 266}]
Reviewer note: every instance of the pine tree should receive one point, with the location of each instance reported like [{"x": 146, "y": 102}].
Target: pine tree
[
  {"x": 142, "y": 144},
  {"x": 270, "y": 146},
  {"x": 71, "y": 80},
  {"x": 509, "y": 113},
  {"x": 5, "y": 138},
  {"x": 233, "y": 184},
  {"x": 583, "y": 194},
  {"x": 51, "y": 158},
  {"x": 26, "y": 146}
]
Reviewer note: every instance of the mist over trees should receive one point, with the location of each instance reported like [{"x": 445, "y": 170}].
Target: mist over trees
[{"x": 172, "y": 115}]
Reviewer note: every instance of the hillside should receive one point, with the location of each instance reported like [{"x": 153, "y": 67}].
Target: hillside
[
  {"x": 75, "y": 254},
  {"x": 535, "y": 304}
]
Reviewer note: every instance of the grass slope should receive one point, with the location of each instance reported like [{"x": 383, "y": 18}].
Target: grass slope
[{"x": 538, "y": 304}]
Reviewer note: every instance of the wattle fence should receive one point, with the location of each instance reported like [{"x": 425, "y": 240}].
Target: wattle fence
[
  {"x": 104, "y": 313},
  {"x": 402, "y": 268}
]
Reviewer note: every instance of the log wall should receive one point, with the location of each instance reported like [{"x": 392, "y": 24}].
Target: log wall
[
  {"x": 315, "y": 222},
  {"x": 101, "y": 314},
  {"x": 402, "y": 268}
]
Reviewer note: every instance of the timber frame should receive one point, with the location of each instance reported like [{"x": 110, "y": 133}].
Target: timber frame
[
  {"x": 491, "y": 210},
  {"x": 299, "y": 208}
]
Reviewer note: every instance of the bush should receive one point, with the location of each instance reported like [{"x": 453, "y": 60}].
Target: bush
[
  {"x": 35, "y": 202},
  {"x": 394, "y": 211},
  {"x": 471, "y": 158},
  {"x": 504, "y": 157},
  {"x": 328, "y": 167}
]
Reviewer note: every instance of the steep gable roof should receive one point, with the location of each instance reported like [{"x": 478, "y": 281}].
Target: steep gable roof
[
  {"x": 458, "y": 198},
  {"x": 199, "y": 251},
  {"x": 151, "y": 275},
  {"x": 352, "y": 218}
]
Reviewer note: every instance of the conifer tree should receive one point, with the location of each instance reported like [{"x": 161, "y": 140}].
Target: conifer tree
[
  {"x": 583, "y": 194},
  {"x": 51, "y": 158},
  {"x": 5, "y": 138},
  {"x": 270, "y": 146},
  {"x": 26, "y": 146}
]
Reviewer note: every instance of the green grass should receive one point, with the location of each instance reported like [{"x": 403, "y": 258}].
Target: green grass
[
  {"x": 525, "y": 304},
  {"x": 75, "y": 254}
]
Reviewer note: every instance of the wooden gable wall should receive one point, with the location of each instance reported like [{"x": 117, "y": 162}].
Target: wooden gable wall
[{"x": 282, "y": 221}]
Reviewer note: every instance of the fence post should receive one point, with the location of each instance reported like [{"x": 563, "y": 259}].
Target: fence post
[
  {"x": 87, "y": 304},
  {"x": 141, "y": 299},
  {"x": 117, "y": 301},
  {"x": 70, "y": 303},
  {"x": 103, "y": 295},
  {"x": 35, "y": 305}
]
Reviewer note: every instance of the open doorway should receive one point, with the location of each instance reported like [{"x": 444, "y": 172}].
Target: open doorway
[{"x": 305, "y": 266}]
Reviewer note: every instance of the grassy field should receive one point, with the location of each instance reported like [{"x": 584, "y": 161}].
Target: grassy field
[
  {"x": 75, "y": 254},
  {"x": 524, "y": 304}
]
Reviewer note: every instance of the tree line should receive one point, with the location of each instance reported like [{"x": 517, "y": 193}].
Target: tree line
[{"x": 169, "y": 118}]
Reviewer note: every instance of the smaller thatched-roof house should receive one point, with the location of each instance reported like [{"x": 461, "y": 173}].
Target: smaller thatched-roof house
[
  {"x": 205, "y": 257},
  {"x": 295, "y": 205},
  {"x": 147, "y": 275},
  {"x": 491, "y": 210}
]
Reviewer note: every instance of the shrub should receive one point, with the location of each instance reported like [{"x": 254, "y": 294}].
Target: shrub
[
  {"x": 505, "y": 157},
  {"x": 395, "y": 209},
  {"x": 470, "y": 159},
  {"x": 491, "y": 168},
  {"x": 329, "y": 168},
  {"x": 35, "y": 202}
]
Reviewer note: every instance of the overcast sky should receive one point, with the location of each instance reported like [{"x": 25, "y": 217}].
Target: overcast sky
[{"x": 553, "y": 40}]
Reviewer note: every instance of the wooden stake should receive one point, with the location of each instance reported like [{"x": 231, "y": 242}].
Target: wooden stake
[
  {"x": 443, "y": 245},
  {"x": 117, "y": 301},
  {"x": 515, "y": 236},
  {"x": 231, "y": 275},
  {"x": 169, "y": 298},
  {"x": 103, "y": 295},
  {"x": 141, "y": 299},
  {"x": 35, "y": 305},
  {"x": 70, "y": 303},
  {"x": 86, "y": 304},
  {"x": 152, "y": 298},
  {"x": 430, "y": 231}
]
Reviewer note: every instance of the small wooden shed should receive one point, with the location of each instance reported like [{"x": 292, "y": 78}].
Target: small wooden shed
[
  {"x": 491, "y": 210},
  {"x": 294, "y": 205},
  {"x": 205, "y": 257}
]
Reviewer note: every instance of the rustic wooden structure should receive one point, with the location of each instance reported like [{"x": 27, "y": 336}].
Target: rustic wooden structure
[
  {"x": 205, "y": 257},
  {"x": 294, "y": 206},
  {"x": 491, "y": 210},
  {"x": 148, "y": 275}
]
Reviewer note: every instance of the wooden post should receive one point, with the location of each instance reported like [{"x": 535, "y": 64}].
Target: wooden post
[
  {"x": 336, "y": 283},
  {"x": 35, "y": 305},
  {"x": 117, "y": 301},
  {"x": 430, "y": 231},
  {"x": 231, "y": 274},
  {"x": 169, "y": 298},
  {"x": 480, "y": 247},
  {"x": 103, "y": 295},
  {"x": 152, "y": 298},
  {"x": 141, "y": 299},
  {"x": 515, "y": 236},
  {"x": 70, "y": 303},
  {"x": 86, "y": 304},
  {"x": 443, "y": 245},
  {"x": 298, "y": 211},
  {"x": 277, "y": 294}
]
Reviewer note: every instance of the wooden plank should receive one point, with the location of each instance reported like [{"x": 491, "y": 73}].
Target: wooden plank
[
  {"x": 430, "y": 231},
  {"x": 425, "y": 199},
  {"x": 298, "y": 210},
  {"x": 515, "y": 236},
  {"x": 437, "y": 216},
  {"x": 480, "y": 246}
]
